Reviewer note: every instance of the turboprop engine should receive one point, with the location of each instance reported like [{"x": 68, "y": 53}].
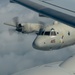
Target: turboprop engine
[
  {"x": 31, "y": 27},
  {"x": 26, "y": 27}
]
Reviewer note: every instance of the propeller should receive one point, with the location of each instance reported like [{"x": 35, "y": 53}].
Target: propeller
[
  {"x": 26, "y": 27},
  {"x": 17, "y": 24}
]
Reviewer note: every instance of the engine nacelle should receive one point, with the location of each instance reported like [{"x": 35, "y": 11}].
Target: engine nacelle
[{"x": 31, "y": 27}]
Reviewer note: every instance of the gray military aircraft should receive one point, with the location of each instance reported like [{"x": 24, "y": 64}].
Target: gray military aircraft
[{"x": 56, "y": 36}]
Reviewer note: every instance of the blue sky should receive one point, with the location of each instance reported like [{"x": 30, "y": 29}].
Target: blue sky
[{"x": 16, "y": 52}]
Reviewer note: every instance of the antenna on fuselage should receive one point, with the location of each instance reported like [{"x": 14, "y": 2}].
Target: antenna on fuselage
[{"x": 55, "y": 23}]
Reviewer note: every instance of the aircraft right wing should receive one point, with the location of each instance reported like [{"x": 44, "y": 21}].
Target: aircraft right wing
[{"x": 47, "y": 8}]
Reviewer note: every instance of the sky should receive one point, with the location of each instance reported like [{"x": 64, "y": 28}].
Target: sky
[{"x": 16, "y": 51}]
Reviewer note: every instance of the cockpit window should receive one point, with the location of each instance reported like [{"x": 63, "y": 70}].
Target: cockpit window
[
  {"x": 53, "y": 33},
  {"x": 47, "y": 33},
  {"x": 42, "y": 33}
]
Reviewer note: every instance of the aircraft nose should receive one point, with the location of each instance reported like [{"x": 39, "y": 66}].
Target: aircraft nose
[{"x": 39, "y": 44}]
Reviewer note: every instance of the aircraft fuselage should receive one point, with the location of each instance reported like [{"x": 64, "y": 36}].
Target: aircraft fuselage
[{"x": 55, "y": 37}]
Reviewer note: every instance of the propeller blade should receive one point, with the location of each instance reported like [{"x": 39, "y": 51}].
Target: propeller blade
[
  {"x": 9, "y": 24},
  {"x": 11, "y": 31},
  {"x": 16, "y": 21},
  {"x": 20, "y": 38}
]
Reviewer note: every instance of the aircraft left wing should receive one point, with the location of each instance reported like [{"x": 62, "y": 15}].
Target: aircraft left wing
[{"x": 54, "y": 11}]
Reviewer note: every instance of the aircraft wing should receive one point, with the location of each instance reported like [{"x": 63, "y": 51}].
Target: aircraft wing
[{"x": 52, "y": 8}]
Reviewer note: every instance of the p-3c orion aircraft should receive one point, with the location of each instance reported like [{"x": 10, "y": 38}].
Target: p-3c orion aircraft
[{"x": 59, "y": 35}]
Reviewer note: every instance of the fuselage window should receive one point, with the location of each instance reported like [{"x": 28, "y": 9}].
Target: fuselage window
[
  {"x": 57, "y": 32},
  {"x": 68, "y": 33}
]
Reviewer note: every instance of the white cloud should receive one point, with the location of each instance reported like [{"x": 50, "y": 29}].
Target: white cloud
[{"x": 16, "y": 52}]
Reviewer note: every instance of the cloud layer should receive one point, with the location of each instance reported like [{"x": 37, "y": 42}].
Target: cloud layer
[{"x": 16, "y": 52}]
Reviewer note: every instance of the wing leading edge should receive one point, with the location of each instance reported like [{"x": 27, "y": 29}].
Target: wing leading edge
[{"x": 55, "y": 14}]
